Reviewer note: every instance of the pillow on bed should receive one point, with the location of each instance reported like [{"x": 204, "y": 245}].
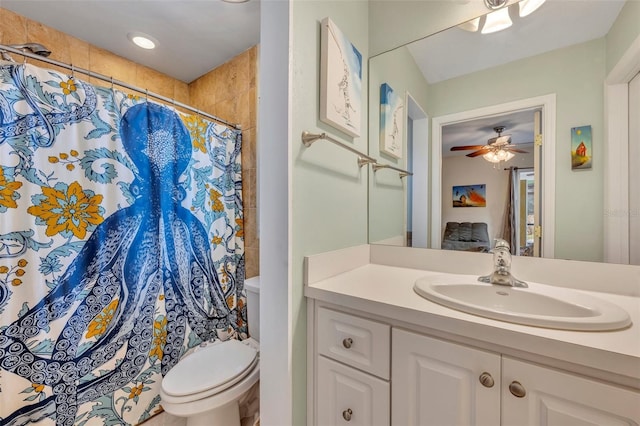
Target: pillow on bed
[
  {"x": 451, "y": 231},
  {"x": 479, "y": 232},
  {"x": 464, "y": 231}
]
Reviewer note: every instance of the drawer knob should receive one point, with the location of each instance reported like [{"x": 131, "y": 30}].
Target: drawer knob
[
  {"x": 486, "y": 380},
  {"x": 517, "y": 389},
  {"x": 346, "y": 414},
  {"x": 347, "y": 342}
]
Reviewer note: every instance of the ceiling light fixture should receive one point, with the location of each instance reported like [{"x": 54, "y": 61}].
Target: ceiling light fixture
[
  {"x": 529, "y": 6},
  {"x": 142, "y": 40},
  {"x": 235, "y": 1},
  {"x": 498, "y": 155},
  {"x": 497, "y": 21},
  {"x": 471, "y": 26},
  {"x": 495, "y": 4}
]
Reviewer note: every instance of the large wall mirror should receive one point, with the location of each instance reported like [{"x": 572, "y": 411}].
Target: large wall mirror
[{"x": 533, "y": 115}]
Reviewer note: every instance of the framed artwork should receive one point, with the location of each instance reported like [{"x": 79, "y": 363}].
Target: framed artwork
[
  {"x": 391, "y": 121},
  {"x": 581, "y": 147},
  {"x": 340, "y": 80},
  {"x": 470, "y": 196}
]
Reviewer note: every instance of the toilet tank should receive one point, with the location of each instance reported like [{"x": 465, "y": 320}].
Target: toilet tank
[{"x": 252, "y": 286}]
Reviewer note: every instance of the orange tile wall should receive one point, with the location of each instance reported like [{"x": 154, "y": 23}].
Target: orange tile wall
[{"x": 228, "y": 92}]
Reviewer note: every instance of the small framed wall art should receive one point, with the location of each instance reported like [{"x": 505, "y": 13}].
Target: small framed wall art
[
  {"x": 340, "y": 80},
  {"x": 581, "y": 147},
  {"x": 391, "y": 121},
  {"x": 469, "y": 196}
]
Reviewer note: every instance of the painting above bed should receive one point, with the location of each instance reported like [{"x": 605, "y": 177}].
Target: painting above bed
[{"x": 469, "y": 196}]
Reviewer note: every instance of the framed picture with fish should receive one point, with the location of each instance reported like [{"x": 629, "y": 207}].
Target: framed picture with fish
[
  {"x": 581, "y": 147},
  {"x": 470, "y": 196}
]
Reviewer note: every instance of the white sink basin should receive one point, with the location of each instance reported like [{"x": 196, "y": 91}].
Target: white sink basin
[{"x": 539, "y": 305}]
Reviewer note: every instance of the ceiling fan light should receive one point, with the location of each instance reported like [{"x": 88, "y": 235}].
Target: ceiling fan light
[
  {"x": 497, "y": 21},
  {"x": 498, "y": 155},
  {"x": 527, "y": 7},
  {"x": 505, "y": 155},
  {"x": 491, "y": 157}
]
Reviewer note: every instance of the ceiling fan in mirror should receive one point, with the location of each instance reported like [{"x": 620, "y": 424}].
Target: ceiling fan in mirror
[{"x": 496, "y": 150}]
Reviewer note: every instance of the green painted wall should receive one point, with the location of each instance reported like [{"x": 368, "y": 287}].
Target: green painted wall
[
  {"x": 329, "y": 191},
  {"x": 623, "y": 32},
  {"x": 575, "y": 74},
  {"x": 387, "y": 202}
]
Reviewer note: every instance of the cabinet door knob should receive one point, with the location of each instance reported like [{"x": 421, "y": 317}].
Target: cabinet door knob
[
  {"x": 347, "y": 342},
  {"x": 517, "y": 389},
  {"x": 346, "y": 414},
  {"x": 486, "y": 380}
]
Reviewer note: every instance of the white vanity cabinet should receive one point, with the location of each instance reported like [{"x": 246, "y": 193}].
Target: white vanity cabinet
[
  {"x": 352, "y": 366},
  {"x": 436, "y": 382},
  {"x": 536, "y": 395},
  {"x": 372, "y": 371},
  {"x": 441, "y": 383}
]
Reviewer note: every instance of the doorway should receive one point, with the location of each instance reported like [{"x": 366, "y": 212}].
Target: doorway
[
  {"x": 620, "y": 158},
  {"x": 418, "y": 186},
  {"x": 634, "y": 172},
  {"x": 546, "y": 106}
]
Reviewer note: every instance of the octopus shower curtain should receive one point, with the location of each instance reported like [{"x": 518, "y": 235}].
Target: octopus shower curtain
[{"x": 121, "y": 247}]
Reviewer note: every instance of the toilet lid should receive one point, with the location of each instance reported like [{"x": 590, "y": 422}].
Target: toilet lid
[{"x": 208, "y": 368}]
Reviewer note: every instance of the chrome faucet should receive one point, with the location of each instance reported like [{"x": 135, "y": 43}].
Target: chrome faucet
[{"x": 501, "y": 274}]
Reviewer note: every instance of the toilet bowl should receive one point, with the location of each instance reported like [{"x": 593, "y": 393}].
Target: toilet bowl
[{"x": 206, "y": 386}]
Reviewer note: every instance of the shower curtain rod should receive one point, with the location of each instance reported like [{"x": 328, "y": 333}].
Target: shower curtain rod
[{"x": 118, "y": 83}]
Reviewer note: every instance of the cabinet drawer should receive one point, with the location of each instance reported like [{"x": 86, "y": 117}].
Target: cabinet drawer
[
  {"x": 347, "y": 396},
  {"x": 358, "y": 342}
]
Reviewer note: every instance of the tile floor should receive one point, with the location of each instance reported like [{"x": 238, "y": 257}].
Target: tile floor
[{"x": 165, "y": 419}]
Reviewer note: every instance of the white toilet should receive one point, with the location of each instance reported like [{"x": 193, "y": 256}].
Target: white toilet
[{"x": 205, "y": 386}]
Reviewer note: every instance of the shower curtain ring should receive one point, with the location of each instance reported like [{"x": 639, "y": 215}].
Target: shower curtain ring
[
  {"x": 146, "y": 94},
  {"x": 73, "y": 72},
  {"x": 24, "y": 57},
  {"x": 112, "y": 83}
]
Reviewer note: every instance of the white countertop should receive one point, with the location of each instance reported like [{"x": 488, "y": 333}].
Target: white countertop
[{"x": 387, "y": 291}]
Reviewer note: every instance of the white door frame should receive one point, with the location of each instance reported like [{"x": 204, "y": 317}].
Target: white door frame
[
  {"x": 616, "y": 167},
  {"x": 548, "y": 105},
  {"x": 420, "y": 169}
]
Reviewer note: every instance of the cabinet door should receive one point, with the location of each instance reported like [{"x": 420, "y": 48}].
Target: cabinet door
[
  {"x": 347, "y": 396},
  {"x": 439, "y": 383},
  {"x": 555, "y": 398}
]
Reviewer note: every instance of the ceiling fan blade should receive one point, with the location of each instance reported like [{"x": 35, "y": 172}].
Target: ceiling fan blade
[
  {"x": 508, "y": 148},
  {"x": 481, "y": 151},
  {"x": 466, "y": 147}
]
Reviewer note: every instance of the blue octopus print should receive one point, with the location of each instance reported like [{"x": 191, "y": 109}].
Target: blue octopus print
[{"x": 143, "y": 282}]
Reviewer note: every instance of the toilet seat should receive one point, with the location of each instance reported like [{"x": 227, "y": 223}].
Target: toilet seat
[{"x": 225, "y": 364}]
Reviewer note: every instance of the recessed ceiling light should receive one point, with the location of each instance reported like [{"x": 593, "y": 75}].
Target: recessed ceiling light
[
  {"x": 235, "y": 1},
  {"x": 142, "y": 40}
]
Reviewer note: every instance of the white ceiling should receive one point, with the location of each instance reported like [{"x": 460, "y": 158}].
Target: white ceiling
[
  {"x": 194, "y": 36},
  {"x": 519, "y": 125},
  {"x": 556, "y": 24}
]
